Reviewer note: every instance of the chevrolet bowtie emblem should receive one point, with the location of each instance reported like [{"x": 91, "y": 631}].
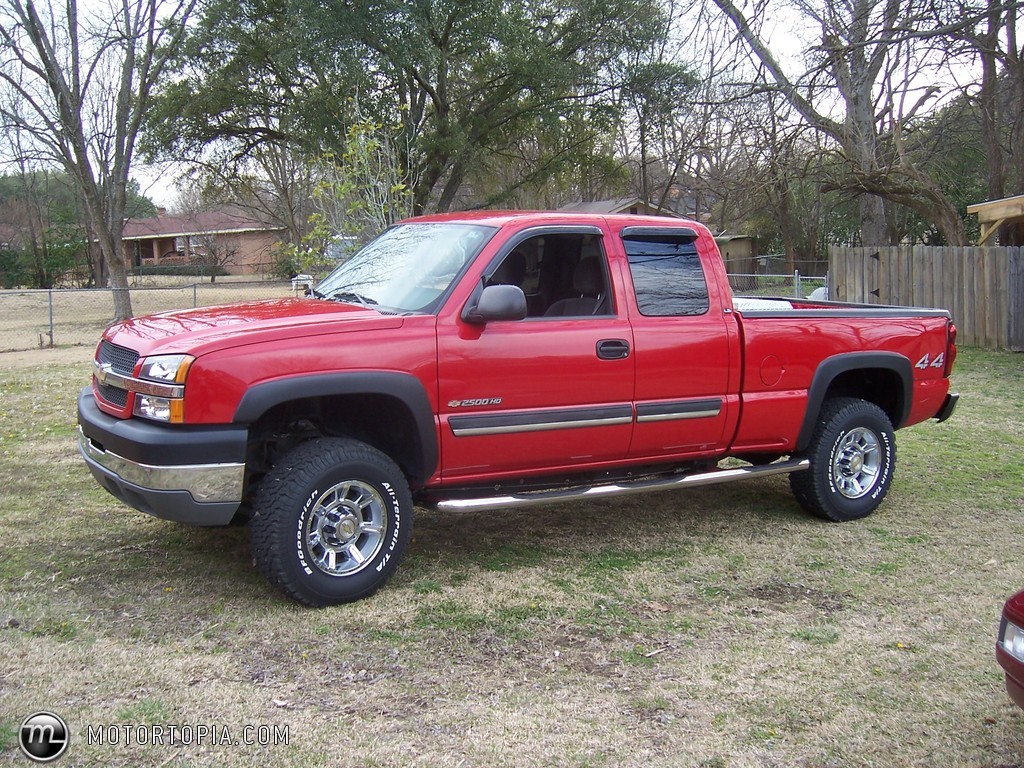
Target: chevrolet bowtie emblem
[{"x": 102, "y": 371}]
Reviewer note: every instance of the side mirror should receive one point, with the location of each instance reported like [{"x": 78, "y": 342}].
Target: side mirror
[{"x": 497, "y": 302}]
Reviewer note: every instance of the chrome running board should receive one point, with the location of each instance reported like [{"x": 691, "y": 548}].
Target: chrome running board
[{"x": 620, "y": 489}]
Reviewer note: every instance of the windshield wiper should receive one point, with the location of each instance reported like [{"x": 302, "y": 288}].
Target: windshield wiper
[{"x": 349, "y": 296}]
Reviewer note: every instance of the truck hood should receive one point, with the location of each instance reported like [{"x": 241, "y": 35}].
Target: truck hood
[{"x": 207, "y": 329}]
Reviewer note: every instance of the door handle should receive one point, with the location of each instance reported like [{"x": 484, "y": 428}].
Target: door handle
[{"x": 613, "y": 349}]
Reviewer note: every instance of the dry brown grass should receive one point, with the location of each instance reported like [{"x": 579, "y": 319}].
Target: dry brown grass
[
  {"x": 715, "y": 627},
  {"x": 79, "y": 316}
]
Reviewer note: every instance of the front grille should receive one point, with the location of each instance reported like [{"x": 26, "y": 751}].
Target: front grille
[
  {"x": 121, "y": 359},
  {"x": 113, "y": 395}
]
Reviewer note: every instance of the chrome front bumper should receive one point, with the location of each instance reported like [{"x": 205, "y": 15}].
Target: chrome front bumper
[
  {"x": 139, "y": 463},
  {"x": 205, "y": 483}
]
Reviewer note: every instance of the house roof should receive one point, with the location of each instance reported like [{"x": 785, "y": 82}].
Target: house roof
[
  {"x": 618, "y": 205},
  {"x": 192, "y": 224}
]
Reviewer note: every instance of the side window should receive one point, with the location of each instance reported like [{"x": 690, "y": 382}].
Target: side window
[
  {"x": 562, "y": 275},
  {"x": 667, "y": 275}
]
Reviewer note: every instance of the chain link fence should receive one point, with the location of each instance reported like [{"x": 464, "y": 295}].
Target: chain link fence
[
  {"x": 789, "y": 286},
  {"x": 67, "y": 317}
]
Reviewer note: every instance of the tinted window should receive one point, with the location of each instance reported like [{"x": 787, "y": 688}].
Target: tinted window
[{"x": 667, "y": 275}]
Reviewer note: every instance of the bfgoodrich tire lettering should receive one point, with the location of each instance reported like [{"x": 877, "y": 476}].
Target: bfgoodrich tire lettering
[
  {"x": 331, "y": 522},
  {"x": 853, "y": 458}
]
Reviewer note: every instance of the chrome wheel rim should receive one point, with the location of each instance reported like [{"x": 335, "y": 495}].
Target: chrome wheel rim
[
  {"x": 345, "y": 528},
  {"x": 856, "y": 463}
]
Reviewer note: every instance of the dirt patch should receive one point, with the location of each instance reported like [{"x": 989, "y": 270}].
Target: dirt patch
[
  {"x": 780, "y": 594},
  {"x": 36, "y": 358}
]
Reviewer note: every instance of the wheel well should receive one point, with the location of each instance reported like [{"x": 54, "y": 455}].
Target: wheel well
[
  {"x": 881, "y": 386},
  {"x": 883, "y": 378},
  {"x": 379, "y": 420}
]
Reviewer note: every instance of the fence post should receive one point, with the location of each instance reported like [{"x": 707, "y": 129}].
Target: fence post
[
  {"x": 195, "y": 295},
  {"x": 797, "y": 293},
  {"x": 51, "y": 316}
]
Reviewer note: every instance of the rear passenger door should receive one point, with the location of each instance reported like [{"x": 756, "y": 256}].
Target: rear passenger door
[
  {"x": 686, "y": 347},
  {"x": 547, "y": 393}
]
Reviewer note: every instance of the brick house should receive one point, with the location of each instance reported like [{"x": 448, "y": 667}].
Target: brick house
[{"x": 240, "y": 244}]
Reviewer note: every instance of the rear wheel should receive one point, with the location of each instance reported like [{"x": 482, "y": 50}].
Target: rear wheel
[
  {"x": 853, "y": 457},
  {"x": 331, "y": 521}
]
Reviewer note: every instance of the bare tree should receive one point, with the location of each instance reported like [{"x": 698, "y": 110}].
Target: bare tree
[
  {"x": 215, "y": 252},
  {"x": 992, "y": 36},
  {"x": 74, "y": 85},
  {"x": 274, "y": 183},
  {"x": 868, "y": 64}
]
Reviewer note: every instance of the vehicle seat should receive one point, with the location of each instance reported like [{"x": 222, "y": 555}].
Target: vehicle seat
[
  {"x": 511, "y": 271},
  {"x": 588, "y": 281}
]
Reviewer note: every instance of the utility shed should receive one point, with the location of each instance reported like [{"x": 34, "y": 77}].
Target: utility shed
[{"x": 995, "y": 213}]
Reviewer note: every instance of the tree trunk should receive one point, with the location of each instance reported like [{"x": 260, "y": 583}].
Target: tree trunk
[
  {"x": 873, "y": 229},
  {"x": 786, "y": 224},
  {"x": 451, "y": 188},
  {"x": 112, "y": 256}
]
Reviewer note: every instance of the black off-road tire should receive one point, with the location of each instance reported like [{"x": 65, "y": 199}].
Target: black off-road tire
[
  {"x": 331, "y": 522},
  {"x": 853, "y": 459}
]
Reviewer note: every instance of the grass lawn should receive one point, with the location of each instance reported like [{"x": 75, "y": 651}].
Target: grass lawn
[{"x": 719, "y": 626}]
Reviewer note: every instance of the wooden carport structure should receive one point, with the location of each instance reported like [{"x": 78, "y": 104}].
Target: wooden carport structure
[{"x": 995, "y": 213}]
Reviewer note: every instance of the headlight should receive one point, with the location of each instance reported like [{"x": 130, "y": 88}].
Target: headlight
[
  {"x": 1013, "y": 640},
  {"x": 163, "y": 401},
  {"x": 159, "y": 408},
  {"x": 166, "y": 368}
]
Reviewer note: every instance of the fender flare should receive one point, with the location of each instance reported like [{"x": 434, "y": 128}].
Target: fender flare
[
  {"x": 832, "y": 367},
  {"x": 403, "y": 387}
]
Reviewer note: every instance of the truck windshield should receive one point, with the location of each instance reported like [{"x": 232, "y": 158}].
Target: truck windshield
[{"x": 407, "y": 268}]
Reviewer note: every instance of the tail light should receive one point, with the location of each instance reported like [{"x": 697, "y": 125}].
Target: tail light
[{"x": 950, "y": 348}]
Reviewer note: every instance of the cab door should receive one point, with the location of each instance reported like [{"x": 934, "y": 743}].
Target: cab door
[
  {"x": 686, "y": 347},
  {"x": 548, "y": 393}
]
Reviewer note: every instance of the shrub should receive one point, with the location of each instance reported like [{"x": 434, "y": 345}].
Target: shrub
[
  {"x": 13, "y": 270},
  {"x": 180, "y": 270},
  {"x": 285, "y": 265}
]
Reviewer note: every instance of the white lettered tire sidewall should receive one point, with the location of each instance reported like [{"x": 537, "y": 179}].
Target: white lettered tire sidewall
[
  {"x": 289, "y": 517},
  {"x": 881, "y": 484},
  {"x": 864, "y": 431}
]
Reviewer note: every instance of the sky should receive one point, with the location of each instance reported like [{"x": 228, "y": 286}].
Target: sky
[{"x": 157, "y": 182}]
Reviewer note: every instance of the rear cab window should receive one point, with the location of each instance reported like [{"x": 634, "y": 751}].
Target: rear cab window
[{"x": 668, "y": 278}]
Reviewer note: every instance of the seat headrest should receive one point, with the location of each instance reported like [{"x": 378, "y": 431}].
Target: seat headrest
[
  {"x": 588, "y": 277},
  {"x": 589, "y": 249},
  {"x": 511, "y": 271}
]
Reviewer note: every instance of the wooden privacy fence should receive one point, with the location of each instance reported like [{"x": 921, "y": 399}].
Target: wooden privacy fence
[{"x": 982, "y": 287}]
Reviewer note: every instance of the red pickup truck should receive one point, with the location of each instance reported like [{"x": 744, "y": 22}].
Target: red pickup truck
[{"x": 492, "y": 360}]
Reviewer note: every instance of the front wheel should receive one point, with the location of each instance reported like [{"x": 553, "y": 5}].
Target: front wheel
[
  {"x": 853, "y": 457},
  {"x": 331, "y": 522}
]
